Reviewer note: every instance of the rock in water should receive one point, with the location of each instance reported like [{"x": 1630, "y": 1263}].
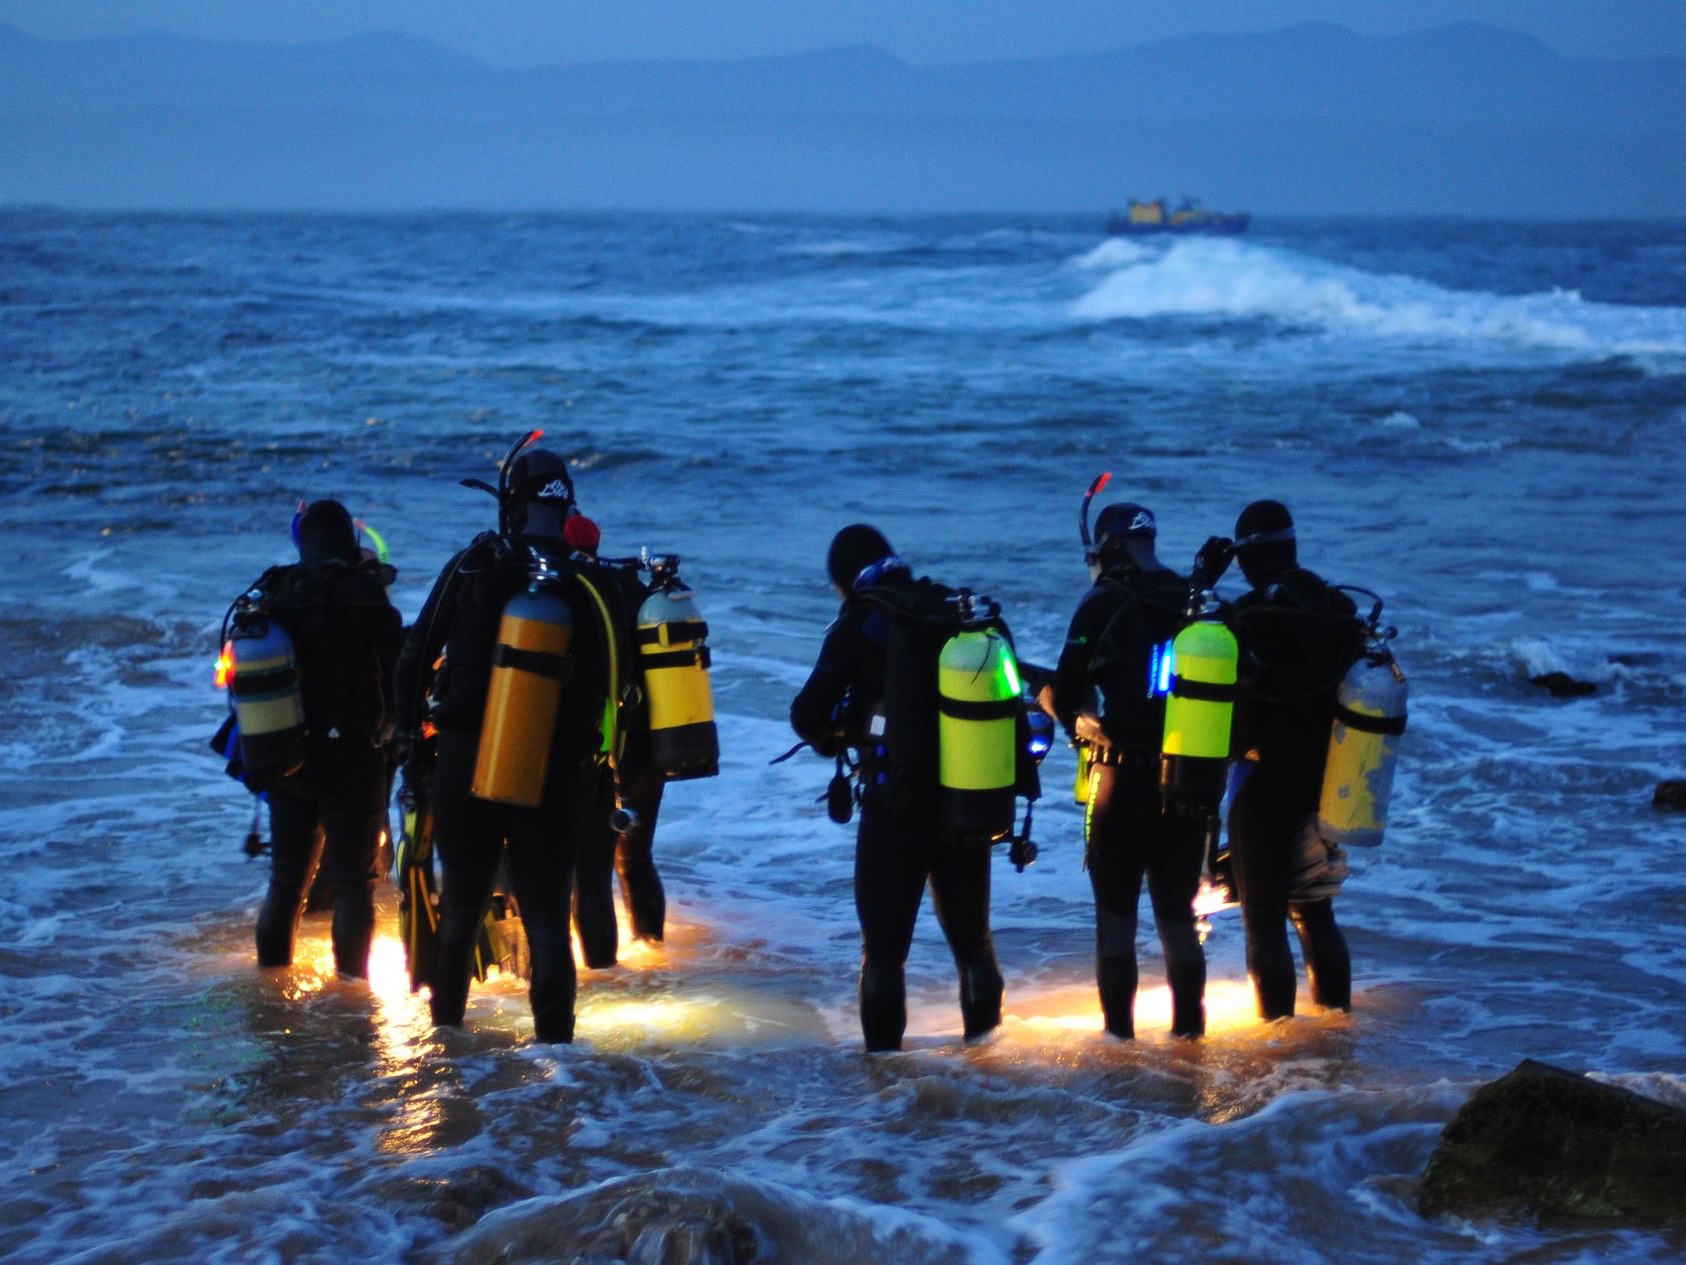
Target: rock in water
[
  {"x": 1562, "y": 685},
  {"x": 1669, "y": 795},
  {"x": 1544, "y": 1140}
]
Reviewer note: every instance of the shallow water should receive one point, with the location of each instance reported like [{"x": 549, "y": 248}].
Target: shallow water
[{"x": 1481, "y": 421}]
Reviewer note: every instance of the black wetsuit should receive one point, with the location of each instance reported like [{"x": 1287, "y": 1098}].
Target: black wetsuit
[
  {"x": 901, "y": 844},
  {"x": 1298, "y": 635},
  {"x": 462, "y": 616},
  {"x": 634, "y": 784},
  {"x": 346, "y": 636},
  {"x": 1105, "y": 667}
]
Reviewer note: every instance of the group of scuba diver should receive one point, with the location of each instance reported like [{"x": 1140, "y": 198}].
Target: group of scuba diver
[{"x": 532, "y": 714}]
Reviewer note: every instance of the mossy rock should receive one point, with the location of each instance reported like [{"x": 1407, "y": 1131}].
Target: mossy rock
[{"x": 1545, "y": 1141}]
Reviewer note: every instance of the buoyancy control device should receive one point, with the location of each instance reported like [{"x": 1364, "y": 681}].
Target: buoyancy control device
[
  {"x": 952, "y": 712},
  {"x": 1194, "y": 754},
  {"x": 530, "y": 665},
  {"x": 673, "y": 652},
  {"x": 979, "y": 701},
  {"x": 262, "y": 673},
  {"x": 1370, "y": 712}
]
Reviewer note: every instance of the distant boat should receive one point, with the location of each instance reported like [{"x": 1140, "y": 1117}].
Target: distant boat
[{"x": 1190, "y": 217}]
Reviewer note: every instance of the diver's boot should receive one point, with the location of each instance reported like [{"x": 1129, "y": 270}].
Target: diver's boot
[
  {"x": 980, "y": 997},
  {"x": 354, "y": 929},
  {"x": 883, "y": 1005},
  {"x": 594, "y": 919},
  {"x": 641, "y": 887},
  {"x": 1269, "y": 962},
  {"x": 278, "y": 924},
  {"x": 1328, "y": 964},
  {"x": 453, "y": 965},
  {"x": 1185, "y": 972},
  {"x": 554, "y": 983},
  {"x": 1115, "y": 976}
]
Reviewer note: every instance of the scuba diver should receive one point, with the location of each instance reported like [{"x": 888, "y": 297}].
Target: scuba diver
[
  {"x": 619, "y": 842},
  {"x": 874, "y": 690},
  {"x": 1108, "y": 695},
  {"x": 1298, "y": 636},
  {"x": 518, "y": 704},
  {"x": 330, "y": 806}
]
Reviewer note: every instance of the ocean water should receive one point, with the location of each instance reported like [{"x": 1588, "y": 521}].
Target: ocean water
[{"x": 1483, "y": 422}]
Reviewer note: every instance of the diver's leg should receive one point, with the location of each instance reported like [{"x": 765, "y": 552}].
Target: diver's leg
[
  {"x": 641, "y": 885},
  {"x": 543, "y": 850},
  {"x": 889, "y": 884},
  {"x": 353, "y": 817},
  {"x": 468, "y": 834},
  {"x": 1173, "y": 878},
  {"x": 594, "y": 874},
  {"x": 295, "y": 845},
  {"x": 1328, "y": 965},
  {"x": 960, "y": 899}
]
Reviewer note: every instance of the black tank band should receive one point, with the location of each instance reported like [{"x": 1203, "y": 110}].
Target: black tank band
[
  {"x": 558, "y": 667},
  {"x": 683, "y": 630},
  {"x": 1391, "y": 725},
  {"x": 960, "y": 709},
  {"x": 272, "y": 682},
  {"x": 1202, "y": 691},
  {"x": 697, "y": 656}
]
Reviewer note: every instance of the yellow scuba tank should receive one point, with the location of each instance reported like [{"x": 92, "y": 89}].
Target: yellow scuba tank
[
  {"x": 1194, "y": 756},
  {"x": 529, "y": 667},
  {"x": 264, "y": 688},
  {"x": 978, "y": 702},
  {"x": 672, "y": 650},
  {"x": 1363, "y": 742}
]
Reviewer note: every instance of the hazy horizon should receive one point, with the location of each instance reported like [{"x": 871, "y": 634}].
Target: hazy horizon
[
  {"x": 530, "y": 33},
  {"x": 1467, "y": 119}
]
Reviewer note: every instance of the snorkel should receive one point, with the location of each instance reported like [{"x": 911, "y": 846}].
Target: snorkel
[
  {"x": 1090, "y": 554},
  {"x": 383, "y": 555},
  {"x": 501, "y": 492}
]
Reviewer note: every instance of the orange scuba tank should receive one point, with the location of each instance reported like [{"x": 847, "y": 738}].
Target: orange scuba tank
[
  {"x": 264, "y": 689},
  {"x": 530, "y": 665},
  {"x": 672, "y": 650}
]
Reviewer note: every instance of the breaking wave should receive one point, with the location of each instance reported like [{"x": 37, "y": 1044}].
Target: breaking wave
[{"x": 1218, "y": 278}]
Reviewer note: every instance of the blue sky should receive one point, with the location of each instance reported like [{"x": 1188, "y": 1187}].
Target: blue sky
[{"x": 532, "y": 32}]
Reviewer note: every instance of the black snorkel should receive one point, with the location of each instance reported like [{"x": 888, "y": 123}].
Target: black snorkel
[
  {"x": 501, "y": 492},
  {"x": 1101, "y": 480}
]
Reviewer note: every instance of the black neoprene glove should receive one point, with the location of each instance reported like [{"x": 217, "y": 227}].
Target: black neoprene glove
[{"x": 1214, "y": 558}]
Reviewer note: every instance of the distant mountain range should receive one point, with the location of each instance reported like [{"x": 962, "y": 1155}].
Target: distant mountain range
[{"x": 1313, "y": 118}]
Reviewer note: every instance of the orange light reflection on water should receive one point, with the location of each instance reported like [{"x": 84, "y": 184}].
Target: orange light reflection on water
[{"x": 1230, "y": 1007}]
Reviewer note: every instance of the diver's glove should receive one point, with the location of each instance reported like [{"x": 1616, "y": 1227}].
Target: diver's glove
[{"x": 1214, "y": 558}]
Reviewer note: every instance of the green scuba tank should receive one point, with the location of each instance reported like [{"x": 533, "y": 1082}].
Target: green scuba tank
[
  {"x": 978, "y": 703},
  {"x": 1194, "y": 755},
  {"x": 529, "y": 667},
  {"x": 264, "y": 689},
  {"x": 1363, "y": 744},
  {"x": 684, "y": 742}
]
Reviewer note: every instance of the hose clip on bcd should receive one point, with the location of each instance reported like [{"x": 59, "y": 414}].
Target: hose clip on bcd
[
  {"x": 256, "y": 845},
  {"x": 1020, "y": 850}
]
